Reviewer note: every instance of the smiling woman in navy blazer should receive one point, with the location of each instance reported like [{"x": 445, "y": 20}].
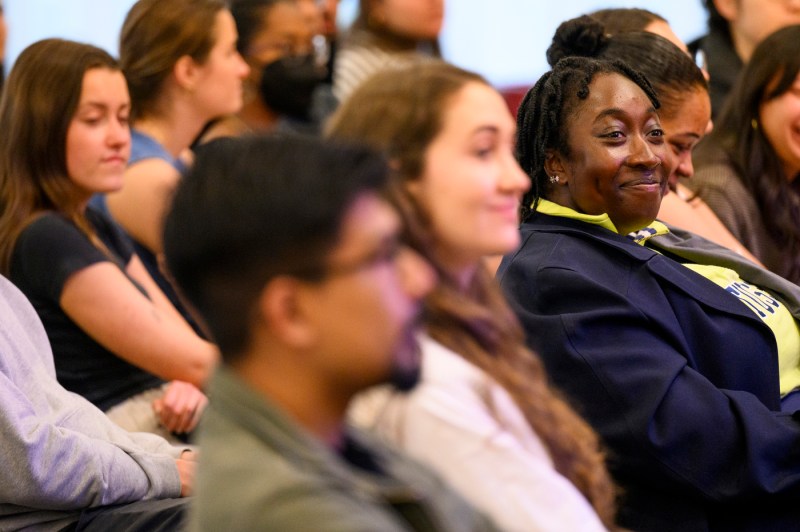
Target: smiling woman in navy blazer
[{"x": 668, "y": 344}]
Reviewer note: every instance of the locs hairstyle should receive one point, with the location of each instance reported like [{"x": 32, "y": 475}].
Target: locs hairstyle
[{"x": 542, "y": 118}]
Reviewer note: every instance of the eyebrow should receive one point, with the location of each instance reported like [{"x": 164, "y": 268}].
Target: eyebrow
[
  {"x": 486, "y": 127},
  {"x": 691, "y": 134},
  {"x": 101, "y": 105},
  {"x": 616, "y": 111}
]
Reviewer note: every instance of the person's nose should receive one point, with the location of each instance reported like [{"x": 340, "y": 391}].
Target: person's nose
[
  {"x": 417, "y": 275},
  {"x": 244, "y": 68},
  {"x": 513, "y": 180},
  {"x": 118, "y": 133},
  {"x": 685, "y": 166},
  {"x": 643, "y": 153}
]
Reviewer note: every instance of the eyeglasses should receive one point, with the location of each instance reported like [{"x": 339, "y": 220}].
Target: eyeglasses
[{"x": 386, "y": 254}]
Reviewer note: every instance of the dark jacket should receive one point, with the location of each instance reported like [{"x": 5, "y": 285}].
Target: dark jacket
[
  {"x": 723, "y": 65},
  {"x": 679, "y": 377}
]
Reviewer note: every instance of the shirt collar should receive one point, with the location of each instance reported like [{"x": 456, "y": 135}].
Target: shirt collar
[{"x": 641, "y": 236}]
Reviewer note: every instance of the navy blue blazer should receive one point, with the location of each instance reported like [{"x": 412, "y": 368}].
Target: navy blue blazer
[{"x": 678, "y": 377}]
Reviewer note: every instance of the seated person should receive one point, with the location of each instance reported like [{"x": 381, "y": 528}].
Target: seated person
[
  {"x": 735, "y": 29},
  {"x": 64, "y": 464},
  {"x": 675, "y": 349},
  {"x": 311, "y": 299},
  {"x": 285, "y": 86},
  {"x": 483, "y": 414},
  {"x": 116, "y": 339},
  {"x": 682, "y": 89},
  {"x": 748, "y": 168},
  {"x": 180, "y": 61}
]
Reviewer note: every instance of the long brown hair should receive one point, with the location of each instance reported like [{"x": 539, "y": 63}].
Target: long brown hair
[
  {"x": 41, "y": 96},
  {"x": 401, "y": 111}
]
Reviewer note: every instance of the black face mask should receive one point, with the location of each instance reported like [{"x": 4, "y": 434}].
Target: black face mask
[{"x": 288, "y": 85}]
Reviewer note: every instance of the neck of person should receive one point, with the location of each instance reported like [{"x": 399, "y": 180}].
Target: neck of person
[
  {"x": 257, "y": 116},
  {"x": 743, "y": 47},
  {"x": 175, "y": 130},
  {"x": 459, "y": 268},
  {"x": 286, "y": 383}
]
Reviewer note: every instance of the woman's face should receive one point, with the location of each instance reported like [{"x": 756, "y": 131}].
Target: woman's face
[
  {"x": 284, "y": 32},
  {"x": 416, "y": 19},
  {"x": 684, "y": 126},
  {"x": 618, "y": 162},
  {"x": 98, "y": 137},
  {"x": 780, "y": 121},
  {"x": 471, "y": 184},
  {"x": 219, "y": 82}
]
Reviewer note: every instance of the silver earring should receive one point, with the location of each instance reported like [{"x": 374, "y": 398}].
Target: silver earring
[{"x": 554, "y": 178}]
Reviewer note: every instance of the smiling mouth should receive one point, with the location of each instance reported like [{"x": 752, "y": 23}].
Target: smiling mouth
[{"x": 644, "y": 182}]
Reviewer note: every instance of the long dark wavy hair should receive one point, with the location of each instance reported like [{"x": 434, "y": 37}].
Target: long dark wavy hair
[
  {"x": 41, "y": 96},
  {"x": 401, "y": 111},
  {"x": 770, "y": 73}
]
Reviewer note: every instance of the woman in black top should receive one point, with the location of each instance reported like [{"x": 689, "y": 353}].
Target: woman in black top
[{"x": 114, "y": 334}]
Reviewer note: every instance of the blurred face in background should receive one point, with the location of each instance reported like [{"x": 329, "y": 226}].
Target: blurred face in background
[
  {"x": 780, "y": 120},
  {"x": 415, "y": 19},
  {"x": 750, "y": 21},
  {"x": 684, "y": 126},
  {"x": 284, "y": 32},
  {"x": 218, "y": 87}
]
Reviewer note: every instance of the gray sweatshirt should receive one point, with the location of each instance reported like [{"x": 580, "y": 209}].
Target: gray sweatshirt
[{"x": 60, "y": 454}]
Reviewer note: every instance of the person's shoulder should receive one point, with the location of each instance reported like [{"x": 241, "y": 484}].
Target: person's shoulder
[
  {"x": 249, "y": 485},
  {"x": 51, "y": 231},
  {"x": 49, "y": 220}
]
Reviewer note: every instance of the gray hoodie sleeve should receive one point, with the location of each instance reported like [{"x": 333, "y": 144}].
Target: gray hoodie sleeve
[{"x": 52, "y": 466}]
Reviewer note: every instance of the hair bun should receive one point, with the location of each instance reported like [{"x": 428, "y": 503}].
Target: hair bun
[{"x": 583, "y": 36}]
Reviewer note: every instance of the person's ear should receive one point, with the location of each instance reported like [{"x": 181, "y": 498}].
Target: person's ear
[
  {"x": 554, "y": 166},
  {"x": 281, "y": 313},
  {"x": 186, "y": 72},
  {"x": 729, "y": 9}
]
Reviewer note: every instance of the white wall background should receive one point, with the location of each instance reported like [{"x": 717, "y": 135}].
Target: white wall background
[{"x": 505, "y": 40}]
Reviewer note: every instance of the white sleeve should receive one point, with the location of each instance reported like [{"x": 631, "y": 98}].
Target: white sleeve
[{"x": 469, "y": 430}]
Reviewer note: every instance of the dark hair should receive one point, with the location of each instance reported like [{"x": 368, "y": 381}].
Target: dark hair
[
  {"x": 402, "y": 111},
  {"x": 38, "y": 103},
  {"x": 154, "y": 35},
  {"x": 270, "y": 205},
  {"x": 250, "y": 17},
  {"x": 668, "y": 69},
  {"x": 542, "y": 117},
  {"x": 623, "y": 20},
  {"x": 716, "y": 22},
  {"x": 770, "y": 72}
]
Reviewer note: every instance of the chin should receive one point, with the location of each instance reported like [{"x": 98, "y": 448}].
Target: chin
[{"x": 505, "y": 243}]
